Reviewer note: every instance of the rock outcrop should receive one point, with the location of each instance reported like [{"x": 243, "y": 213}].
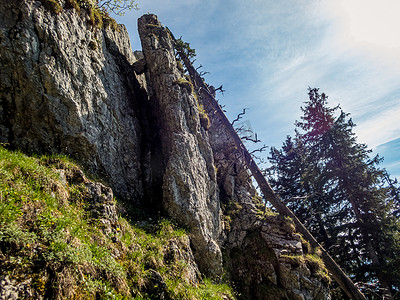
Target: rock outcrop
[
  {"x": 189, "y": 186},
  {"x": 135, "y": 120},
  {"x": 68, "y": 88}
]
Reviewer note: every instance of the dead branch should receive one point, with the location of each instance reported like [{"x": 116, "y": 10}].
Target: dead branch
[
  {"x": 239, "y": 116},
  {"x": 202, "y": 73},
  {"x": 220, "y": 89},
  {"x": 254, "y": 140},
  {"x": 262, "y": 149}
]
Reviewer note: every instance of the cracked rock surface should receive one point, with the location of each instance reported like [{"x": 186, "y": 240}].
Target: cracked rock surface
[
  {"x": 189, "y": 183},
  {"x": 67, "y": 88}
]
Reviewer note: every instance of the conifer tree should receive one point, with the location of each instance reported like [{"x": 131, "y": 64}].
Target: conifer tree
[{"x": 332, "y": 185}]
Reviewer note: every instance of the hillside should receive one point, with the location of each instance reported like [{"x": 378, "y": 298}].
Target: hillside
[{"x": 61, "y": 238}]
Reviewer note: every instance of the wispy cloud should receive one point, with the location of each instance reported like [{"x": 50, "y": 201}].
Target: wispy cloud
[
  {"x": 359, "y": 77},
  {"x": 381, "y": 128}
]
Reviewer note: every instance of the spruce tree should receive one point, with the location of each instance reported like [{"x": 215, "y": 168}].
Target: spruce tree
[{"x": 338, "y": 191}]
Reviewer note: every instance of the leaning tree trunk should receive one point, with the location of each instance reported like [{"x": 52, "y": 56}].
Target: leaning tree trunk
[{"x": 340, "y": 277}]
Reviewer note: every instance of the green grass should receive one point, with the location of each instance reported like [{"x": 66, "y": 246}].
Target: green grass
[
  {"x": 47, "y": 235},
  {"x": 317, "y": 267},
  {"x": 186, "y": 84}
]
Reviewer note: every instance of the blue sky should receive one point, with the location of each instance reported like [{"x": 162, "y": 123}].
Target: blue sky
[{"x": 267, "y": 53}]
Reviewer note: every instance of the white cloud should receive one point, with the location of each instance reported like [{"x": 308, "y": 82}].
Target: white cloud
[
  {"x": 381, "y": 128},
  {"x": 374, "y": 22}
]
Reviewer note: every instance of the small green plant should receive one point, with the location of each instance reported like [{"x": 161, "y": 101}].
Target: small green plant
[
  {"x": 98, "y": 11},
  {"x": 305, "y": 245},
  {"x": 109, "y": 22},
  {"x": 230, "y": 211},
  {"x": 317, "y": 267},
  {"x": 232, "y": 208},
  {"x": 204, "y": 119},
  {"x": 95, "y": 17},
  {"x": 184, "y": 47},
  {"x": 262, "y": 210},
  {"x": 180, "y": 66},
  {"x": 52, "y": 5},
  {"x": 185, "y": 84},
  {"x": 288, "y": 224},
  {"x": 293, "y": 260},
  {"x": 73, "y": 4}
]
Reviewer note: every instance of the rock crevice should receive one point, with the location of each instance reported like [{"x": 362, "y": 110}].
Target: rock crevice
[{"x": 190, "y": 193}]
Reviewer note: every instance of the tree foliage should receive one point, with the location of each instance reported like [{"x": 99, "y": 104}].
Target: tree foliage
[
  {"x": 117, "y": 7},
  {"x": 340, "y": 193},
  {"x": 184, "y": 47}
]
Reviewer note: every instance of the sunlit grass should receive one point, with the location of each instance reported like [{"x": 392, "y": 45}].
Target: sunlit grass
[{"x": 45, "y": 228}]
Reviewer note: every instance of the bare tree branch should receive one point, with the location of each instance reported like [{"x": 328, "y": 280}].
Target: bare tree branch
[
  {"x": 202, "y": 73},
  {"x": 220, "y": 89},
  {"x": 239, "y": 116},
  {"x": 262, "y": 149},
  {"x": 248, "y": 138}
]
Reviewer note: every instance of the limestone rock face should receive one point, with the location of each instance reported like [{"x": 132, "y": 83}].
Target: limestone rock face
[
  {"x": 67, "y": 88},
  {"x": 189, "y": 184},
  {"x": 101, "y": 202},
  {"x": 10, "y": 290}
]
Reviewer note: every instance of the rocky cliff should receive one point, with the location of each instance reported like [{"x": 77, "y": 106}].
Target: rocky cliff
[
  {"x": 137, "y": 121},
  {"x": 67, "y": 87}
]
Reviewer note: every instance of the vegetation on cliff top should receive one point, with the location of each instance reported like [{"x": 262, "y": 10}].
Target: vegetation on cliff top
[
  {"x": 50, "y": 240},
  {"x": 98, "y": 11}
]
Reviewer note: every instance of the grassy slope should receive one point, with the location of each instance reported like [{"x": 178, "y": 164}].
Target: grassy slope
[{"x": 48, "y": 237}]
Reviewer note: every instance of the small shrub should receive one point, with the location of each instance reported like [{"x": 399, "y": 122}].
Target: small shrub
[
  {"x": 184, "y": 47},
  {"x": 95, "y": 17},
  {"x": 52, "y": 5},
  {"x": 230, "y": 211},
  {"x": 180, "y": 66},
  {"x": 98, "y": 16},
  {"x": 317, "y": 267},
  {"x": 73, "y": 4},
  {"x": 109, "y": 22},
  {"x": 204, "y": 119},
  {"x": 185, "y": 84},
  {"x": 288, "y": 224},
  {"x": 305, "y": 245},
  {"x": 293, "y": 260}
]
